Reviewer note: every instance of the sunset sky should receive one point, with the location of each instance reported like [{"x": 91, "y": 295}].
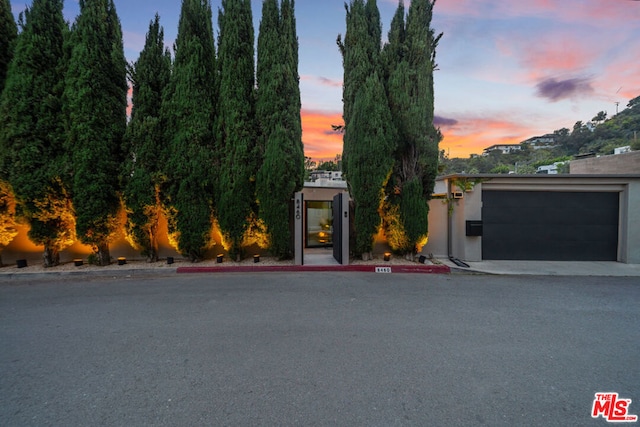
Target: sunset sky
[{"x": 507, "y": 69}]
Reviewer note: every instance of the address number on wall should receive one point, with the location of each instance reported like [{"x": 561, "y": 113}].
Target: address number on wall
[{"x": 383, "y": 269}]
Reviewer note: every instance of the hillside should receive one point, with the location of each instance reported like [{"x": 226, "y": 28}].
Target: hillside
[{"x": 601, "y": 135}]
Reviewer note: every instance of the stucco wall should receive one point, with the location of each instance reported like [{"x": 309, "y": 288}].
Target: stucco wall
[
  {"x": 626, "y": 163},
  {"x": 437, "y": 243},
  {"x": 631, "y": 248}
]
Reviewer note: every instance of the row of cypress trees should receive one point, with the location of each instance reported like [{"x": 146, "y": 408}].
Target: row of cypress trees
[
  {"x": 390, "y": 152},
  {"x": 203, "y": 143}
]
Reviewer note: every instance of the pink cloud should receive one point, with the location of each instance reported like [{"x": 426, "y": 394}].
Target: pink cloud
[
  {"x": 323, "y": 81},
  {"x": 320, "y": 141}
]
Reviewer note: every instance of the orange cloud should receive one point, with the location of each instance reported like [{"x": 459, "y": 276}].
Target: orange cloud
[
  {"x": 320, "y": 141},
  {"x": 471, "y": 136},
  {"x": 463, "y": 137}
]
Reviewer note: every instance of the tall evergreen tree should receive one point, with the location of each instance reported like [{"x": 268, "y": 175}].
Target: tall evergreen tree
[
  {"x": 278, "y": 113},
  {"x": 238, "y": 130},
  {"x": 360, "y": 56},
  {"x": 150, "y": 76},
  {"x": 8, "y": 229},
  {"x": 96, "y": 100},
  {"x": 369, "y": 132},
  {"x": 33, "y": 134},
  {"x": 8, "y": 34},
  {"x": 370, "y": 161},
  {"x": 410, "y": 58},
  {"x": 188, "y": 116}
]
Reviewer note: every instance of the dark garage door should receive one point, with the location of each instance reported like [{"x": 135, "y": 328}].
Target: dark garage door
[{"x": 560, "y": 226}]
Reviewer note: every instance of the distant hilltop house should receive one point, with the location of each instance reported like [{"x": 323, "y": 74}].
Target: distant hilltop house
[
  {"x": 536, "y": 143},
  {"x": 539, "y": 142},
  {"x": 325, "y": 175},
  {"x": 550, "y": 169},
  {"x": 504, "y": 148}
]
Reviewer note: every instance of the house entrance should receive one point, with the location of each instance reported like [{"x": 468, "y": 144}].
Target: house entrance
[
  {"x": 316, "y": 231},
  {"x": 319, "y": 227}
]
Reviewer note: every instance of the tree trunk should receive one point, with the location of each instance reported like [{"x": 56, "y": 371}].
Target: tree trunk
[
  {"x": 102, "y": 254},
  {"x": 1, "y": 264},
  {"x": 50, "y": 257},
  {"x": 152, "y": 256}
]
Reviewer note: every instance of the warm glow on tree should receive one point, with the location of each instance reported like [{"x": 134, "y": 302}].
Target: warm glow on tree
[{"x": 8, "y": 223}]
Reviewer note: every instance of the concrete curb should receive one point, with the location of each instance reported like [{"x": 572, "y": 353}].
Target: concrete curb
[
  {"x": 430, "y": 269},
  {"x": 94, "y": 273}
]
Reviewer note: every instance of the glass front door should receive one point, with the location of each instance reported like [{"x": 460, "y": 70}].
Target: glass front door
[{"x": 319, "y": 224}]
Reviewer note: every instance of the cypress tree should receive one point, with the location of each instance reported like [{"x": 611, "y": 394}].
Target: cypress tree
[
  {"x": 278, "y": 113},
  {"x": 34, "y": 133},
  {"x": 188, "y": 115},
  {"x": 360, "y": 56},
  {"x": 150, "y": 76},
  {"x": 369, "y": 133},
  {"x": 293, "y": 104},
  {"x": 370, "y": 161},
  {"x": 410, "y": 61},
  {"x": 8, "y": 34},
  {"x": 237, "y": 125},
  {"x": 8, "y": 223},
  {"x": 96, "y": 100}
]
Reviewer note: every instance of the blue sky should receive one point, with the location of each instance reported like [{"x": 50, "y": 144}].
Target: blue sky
[{"x": 508, "y": 69}]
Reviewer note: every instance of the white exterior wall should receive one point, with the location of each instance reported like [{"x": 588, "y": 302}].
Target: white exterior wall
[
  {"x": 630, "y": 225},
  {"x": 437, "y": 243}
]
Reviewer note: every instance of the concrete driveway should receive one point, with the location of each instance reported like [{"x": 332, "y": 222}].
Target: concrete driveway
[{"x": 322, "y": 349}]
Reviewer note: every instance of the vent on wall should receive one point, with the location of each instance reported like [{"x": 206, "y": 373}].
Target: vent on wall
[{"x": 457, "y": 195}]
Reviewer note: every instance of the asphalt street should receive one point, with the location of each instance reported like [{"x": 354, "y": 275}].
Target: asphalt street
[{"x": 326, "y": 349}]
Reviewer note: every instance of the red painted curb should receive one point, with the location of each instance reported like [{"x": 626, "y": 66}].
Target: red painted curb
[{"x": 432, "y": 269}]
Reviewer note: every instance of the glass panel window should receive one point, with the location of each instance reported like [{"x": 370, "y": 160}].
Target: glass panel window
[{"x": 319, "y": 224}]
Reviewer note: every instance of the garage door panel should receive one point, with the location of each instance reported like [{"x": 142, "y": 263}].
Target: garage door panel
[{"x": 550, "y": 226}]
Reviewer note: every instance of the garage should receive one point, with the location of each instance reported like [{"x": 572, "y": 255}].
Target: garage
[{"x": 550, "y": 226}]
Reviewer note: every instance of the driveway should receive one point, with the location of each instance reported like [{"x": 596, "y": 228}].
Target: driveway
[{"x": 317, "y": 349}]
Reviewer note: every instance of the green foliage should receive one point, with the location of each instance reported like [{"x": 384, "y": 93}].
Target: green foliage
[
  {"x": 8, "y": 34},
  {"x": 33, "y": 134},
  {"x": 278, "y": 117},
  {"x": 237, "y": 125},
  {"x": 329, "y": 166},
  {"x": 409, "y": 60},
  {"x": 371, "y": 160},
  {"x": 142, "y": 175},
  {"x": 8, "y": 222},
  {"x": 414, "y": 214},
  {"x": 188, "y": 114},
  {"x": 96, "y": 101},
  {"x": 360, "y": 57},
  {"x": 502, "y": 169}
]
